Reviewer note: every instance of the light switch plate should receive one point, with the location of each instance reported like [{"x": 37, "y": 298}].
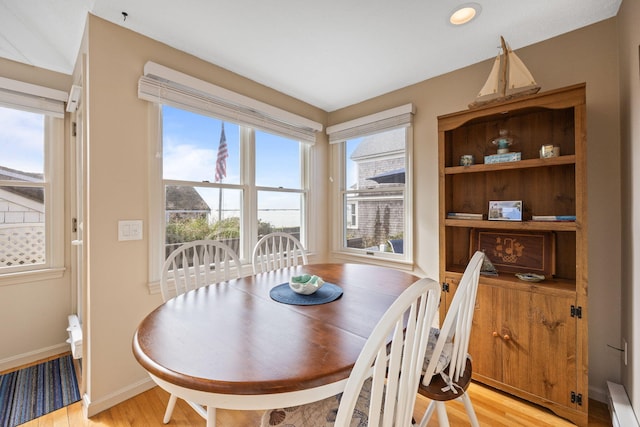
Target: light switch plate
[{"x": 130, "y": 230}]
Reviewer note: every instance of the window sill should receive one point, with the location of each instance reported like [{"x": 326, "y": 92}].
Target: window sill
[
  {"x": 21, "y": 277},
  {"x": 401, "y": 264}
]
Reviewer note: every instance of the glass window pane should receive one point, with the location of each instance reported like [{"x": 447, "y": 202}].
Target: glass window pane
[
  {"x": 277, "y": 161},
  {"x": 376, "y": 161},
  {"x": 380, "y": 219},
  {"x": 375, "y": 220},
  {"x": 22, "y": 142},
  {"x": 191, "y": 147},
  {"x": 22, "y": 207},
  {"x": 279, "y": 211},
  {"x": 195, "y": 213}
]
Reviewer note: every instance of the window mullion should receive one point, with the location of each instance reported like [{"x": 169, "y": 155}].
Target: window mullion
[{"x": 249, "y": 217}]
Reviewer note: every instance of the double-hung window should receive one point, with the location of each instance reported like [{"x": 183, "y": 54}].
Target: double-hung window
[
  {"x": 230, "y": 168},
  {"x": 213, "y": 189},
  {"x": 31, "y": 184},
  {"x": 372, "y": 161}
]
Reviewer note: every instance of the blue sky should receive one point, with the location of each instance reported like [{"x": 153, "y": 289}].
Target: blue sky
[
  {"x": 21, "y": 140},
  {"x": 190, "y": 151},
  {"x": 191, "y": 146}
]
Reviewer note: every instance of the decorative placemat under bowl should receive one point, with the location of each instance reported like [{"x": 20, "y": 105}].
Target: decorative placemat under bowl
[{"x": 327, "y": 293}]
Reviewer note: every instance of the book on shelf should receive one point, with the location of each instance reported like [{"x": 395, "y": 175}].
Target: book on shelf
[
  {"x": 465, "y": 215},
  {"x": 502, "y": 158},
  {"x": 553, "y": 218}
]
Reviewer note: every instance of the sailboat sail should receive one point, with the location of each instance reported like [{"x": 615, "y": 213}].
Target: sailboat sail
[
  {"x": 509, "y": 78},
  {"x": 491, "y": 86},
  {"x": 519, "y": 75}
]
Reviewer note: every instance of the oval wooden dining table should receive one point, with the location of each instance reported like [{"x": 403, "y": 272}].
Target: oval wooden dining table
[{"x": 230, "y": 345}]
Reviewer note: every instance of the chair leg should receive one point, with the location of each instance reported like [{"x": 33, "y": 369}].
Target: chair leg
[
  {"x": 443, "y": 420},
  {"x": 170, "y": 406},
  {"x": 211, "y": 416},
  {"x": 470, "y": 412},
  {"x": 428, "y": 413}
]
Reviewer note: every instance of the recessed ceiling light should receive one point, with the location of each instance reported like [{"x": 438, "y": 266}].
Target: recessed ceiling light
[{"x": 464, "y": 13}]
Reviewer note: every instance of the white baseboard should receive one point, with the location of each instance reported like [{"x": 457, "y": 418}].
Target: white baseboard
[
  {"x": 599, "y": 394},
  {"x": 32, "y": 356},
  {"x": 622, "y": 414},
  {"x": 91, "y": 408}
]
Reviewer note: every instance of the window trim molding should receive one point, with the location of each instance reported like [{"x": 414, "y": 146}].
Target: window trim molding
[
  {"x": 34, "y": 98},
  {"x": 161, "y": 84},
  {"x": 372, "y": 123},
  {"x": 392, "y": 118}
]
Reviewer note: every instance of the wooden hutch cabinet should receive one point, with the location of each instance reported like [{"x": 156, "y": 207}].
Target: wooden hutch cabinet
[{"x": 528, "y": 338}]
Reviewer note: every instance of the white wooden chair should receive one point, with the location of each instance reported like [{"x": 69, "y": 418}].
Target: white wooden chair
[
  {"x": 448, "y": 365},
  {"x": 277, "y": 250},
  {"x": 191, "y": 266},
  {"x": 195, "y": 264},
  {"x": 381, "y": 389}
]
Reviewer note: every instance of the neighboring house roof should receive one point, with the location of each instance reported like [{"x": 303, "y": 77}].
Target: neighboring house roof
[
  {"x": 35, "y": 194},
  {"x": 385, "y": 143},
  {"x": 395, "y": 176},
  {"x": 183, "y": 198}
]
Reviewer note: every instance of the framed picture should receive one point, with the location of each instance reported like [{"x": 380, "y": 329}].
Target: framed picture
[
  {"x": 517, "y": 251},
  {"x": 505, "y": 210}
]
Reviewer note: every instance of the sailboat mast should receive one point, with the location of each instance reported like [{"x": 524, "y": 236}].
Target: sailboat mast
[{"x": 505, "y": 66}]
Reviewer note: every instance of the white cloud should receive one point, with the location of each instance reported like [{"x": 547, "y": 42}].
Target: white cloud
[{"x": 188, "y": 162}]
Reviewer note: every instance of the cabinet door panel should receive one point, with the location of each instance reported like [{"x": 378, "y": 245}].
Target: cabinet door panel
[
  {"x": 485, "y": 347},
  {"x": 516, "y": 338},
  {"x": 553, "y": 367}
]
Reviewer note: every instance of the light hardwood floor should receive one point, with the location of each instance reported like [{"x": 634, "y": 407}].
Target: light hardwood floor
[{"x": 493, "y": 408}]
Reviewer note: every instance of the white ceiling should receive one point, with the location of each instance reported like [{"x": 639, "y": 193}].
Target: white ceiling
[{"x": 330, "y": 53}]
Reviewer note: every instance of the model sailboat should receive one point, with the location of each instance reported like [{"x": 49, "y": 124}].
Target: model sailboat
[{"x": 509, "y": 78}]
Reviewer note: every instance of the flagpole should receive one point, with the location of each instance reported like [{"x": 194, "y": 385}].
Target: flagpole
[
  {"x": 221, "y": 167},
  {"x": 220, "y": 204}
]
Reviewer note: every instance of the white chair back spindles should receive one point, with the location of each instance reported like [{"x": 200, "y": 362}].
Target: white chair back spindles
[
  {"x": 278, "y": 250},
  {"x": 196, "y": 264}
]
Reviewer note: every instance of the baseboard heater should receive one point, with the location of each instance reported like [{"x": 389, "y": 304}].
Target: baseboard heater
[
  {"x": 622, "y": 414},
  {"x": 75, "y": 336}
]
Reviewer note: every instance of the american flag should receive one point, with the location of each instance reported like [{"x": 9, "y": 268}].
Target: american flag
[{"x": 221, "y": 162}]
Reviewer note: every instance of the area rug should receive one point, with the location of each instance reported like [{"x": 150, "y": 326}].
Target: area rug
[{"x": 36, "y": 390}]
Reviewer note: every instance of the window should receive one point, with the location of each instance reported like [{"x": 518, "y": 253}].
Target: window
[
  {"x": 212, "y": 190},
  {"x": 253, "y": 183},
  {"x": 372, "y": 161},
  {"x": 30, "y": 192}
]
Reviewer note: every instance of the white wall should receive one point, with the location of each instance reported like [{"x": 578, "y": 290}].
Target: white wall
[{"x": 629, "y": 48}]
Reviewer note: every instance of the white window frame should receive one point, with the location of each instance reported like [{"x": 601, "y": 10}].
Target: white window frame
[
  {"x": 351, "y": 218},
  {"x": 50, "y": 103},
  {"x": 161, "y": 85},
  {"x": 394, "y": 118}
]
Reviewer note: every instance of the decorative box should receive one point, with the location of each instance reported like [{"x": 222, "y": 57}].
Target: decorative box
[{"x": 517, "y": 251}]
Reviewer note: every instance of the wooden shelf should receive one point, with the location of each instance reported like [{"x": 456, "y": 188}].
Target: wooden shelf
[
  {"x": 521, "y": 164},
  {"x": 549, "y": 286},
  {"x": 513, "y": 225}
]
